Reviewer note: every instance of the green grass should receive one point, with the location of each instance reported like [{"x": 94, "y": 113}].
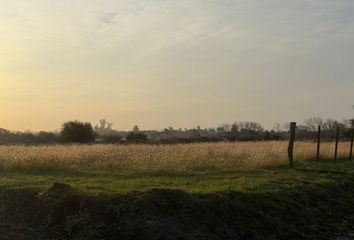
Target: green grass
[
  {"x": 312, "y": 201},
  {"x": 113, "y": 182}
]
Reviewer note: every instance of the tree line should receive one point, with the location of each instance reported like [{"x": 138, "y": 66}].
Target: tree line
[{"x": 83, "y": 132}]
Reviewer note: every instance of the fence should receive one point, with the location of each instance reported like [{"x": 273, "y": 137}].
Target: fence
[{"x": 337, "y": 134}]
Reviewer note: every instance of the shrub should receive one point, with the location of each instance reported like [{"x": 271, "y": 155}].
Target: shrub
[
  {"x": 136, "y": 137},
  {"x": 112, "y": 138},
  {"x": 77, "y": 132}
]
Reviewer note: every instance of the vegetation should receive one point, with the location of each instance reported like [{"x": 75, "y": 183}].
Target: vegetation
[
  {"x": 111, "y": 138},
  {"x": 77, "y": 132},
  {"x": 137, "y": 137},
  {"x": 233, "y": 188},
  {"x": 238, "y": 131},
  {"x": 8, "y": 137},
  {"x": 204, "y": 197},
  {"x": 146, "y": 160}
]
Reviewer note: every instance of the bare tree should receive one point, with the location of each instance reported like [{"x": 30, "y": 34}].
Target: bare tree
[
  {"x": 248, "y": 126},
  {"x": 329, "y": 124},
  {"x": 103, "y": 123},
  {"x": 277, "y": 127},
  {"x": 313, "y": 123},
  {"x": 225, "y": 127}
]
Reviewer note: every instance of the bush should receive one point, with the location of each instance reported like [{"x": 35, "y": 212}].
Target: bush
[
  {"x": 77, "y": 132},
  {"x": 112, "y": 138},
  {"x": 136, "y": 137}
]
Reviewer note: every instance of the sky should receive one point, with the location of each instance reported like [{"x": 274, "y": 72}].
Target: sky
[{"x": 161, "y": 63}]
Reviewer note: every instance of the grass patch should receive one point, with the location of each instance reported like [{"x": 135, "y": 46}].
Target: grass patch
[
  {"x": 94, "y": 182},
  {"x": 312, "y": 201},
  {"x": 315, "y": 200}
]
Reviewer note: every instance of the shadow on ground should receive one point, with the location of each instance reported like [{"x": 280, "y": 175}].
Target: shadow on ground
[{"x": 310, "y": 211}]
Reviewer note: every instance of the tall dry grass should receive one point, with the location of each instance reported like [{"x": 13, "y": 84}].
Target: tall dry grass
[{"x": 183, "y": 157}]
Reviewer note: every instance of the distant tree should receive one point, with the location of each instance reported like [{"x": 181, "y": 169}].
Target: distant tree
[
  {"x": 220, "y": 130},
  {"x": 28, "y": 137},
  {"x": 225, "y": 127},
  {"x": 234, "y": 129},
  {"x": 346, "y": 123},
  {"x": 285, "y": 126},
  {"x": 136, "y": 129},
  {"x": 249, "y": 126},
  {"x": 136, "y": 137},
  {"x": 329, "y": 124},
  {"x": 104, "y": 129},
  {"x": 313, "y": 123},
  {"x": 46, "y": 138},
  {"x": 114, "y": 137},
  {"x": 77, "y": 132},
  {"x": 277, "y": 127}
]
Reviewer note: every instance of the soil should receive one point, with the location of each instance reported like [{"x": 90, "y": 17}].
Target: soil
[{"x": 62, "y": 213}]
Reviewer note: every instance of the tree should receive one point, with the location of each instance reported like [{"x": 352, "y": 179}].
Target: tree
[
  {"x": 46, "y": 138},
  {"x": 136, "y": 137},
  {"x": 136, "y": 129},
  {"x": 77, "y": 132},
  {"x": 114, "y": 137},
  {"x": 277, "y": 127},
  {"x": 225, "y": 127},
  {"x": 234, "y": 129},
  {"x": 248, "y": 126},
  {"x": 329, "y": 124},
  {"x": 313, "y": 123}
]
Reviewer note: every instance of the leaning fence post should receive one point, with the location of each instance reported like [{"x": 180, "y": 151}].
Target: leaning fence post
[
  {"x": 351, "y": 146},
  {"x": 291, "y": 144},
  {"x": 318, "y": 143},
  {"x": 336, "y": 149}
]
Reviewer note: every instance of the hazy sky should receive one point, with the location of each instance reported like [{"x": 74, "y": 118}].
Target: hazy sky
[{"x": 160, "y": 63}]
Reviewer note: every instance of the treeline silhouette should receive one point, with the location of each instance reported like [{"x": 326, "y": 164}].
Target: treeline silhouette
[
  {"x": 83, "y": 132},
  {"x": 9, "y": 137}
]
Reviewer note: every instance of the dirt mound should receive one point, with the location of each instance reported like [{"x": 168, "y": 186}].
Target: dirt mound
[
  {"x": 171, "y": 214},
  {"x": 63, "y": 201},
  {"x": 159, "y": 214},
  {"x": 155, "y": 214},
  {"x": 21, "y": 214}
]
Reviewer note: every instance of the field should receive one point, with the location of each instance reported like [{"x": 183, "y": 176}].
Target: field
[
  {"x": 246, "y": 182},
  {"x": 124, "y": 168}
]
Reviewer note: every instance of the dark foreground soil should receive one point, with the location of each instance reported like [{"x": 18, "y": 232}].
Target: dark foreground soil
[
  {"x": 63, "y": 213},
  {"x": 309, "y": 212}
]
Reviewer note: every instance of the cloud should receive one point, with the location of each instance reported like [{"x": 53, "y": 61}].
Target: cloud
[
  {"x": 251, "y": 54},
  {"x": 109, "y": 18}
]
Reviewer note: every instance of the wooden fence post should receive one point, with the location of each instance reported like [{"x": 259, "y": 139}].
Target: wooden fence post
[
  {"x": 318, "y": 143},
  {"x": 351, "y": 146},
  {"x": 291, "y": 144},
  {"x": 336, "y": 149}
]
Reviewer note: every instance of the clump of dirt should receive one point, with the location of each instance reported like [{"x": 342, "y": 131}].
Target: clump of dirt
[
  {"x": 63, "y": 201},
  {"x": 21, "y": 207}
]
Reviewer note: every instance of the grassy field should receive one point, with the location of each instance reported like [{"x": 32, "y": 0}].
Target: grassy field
[
  {"x": 203, "y": 191},
  {"x": 194, "y": 168}
]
